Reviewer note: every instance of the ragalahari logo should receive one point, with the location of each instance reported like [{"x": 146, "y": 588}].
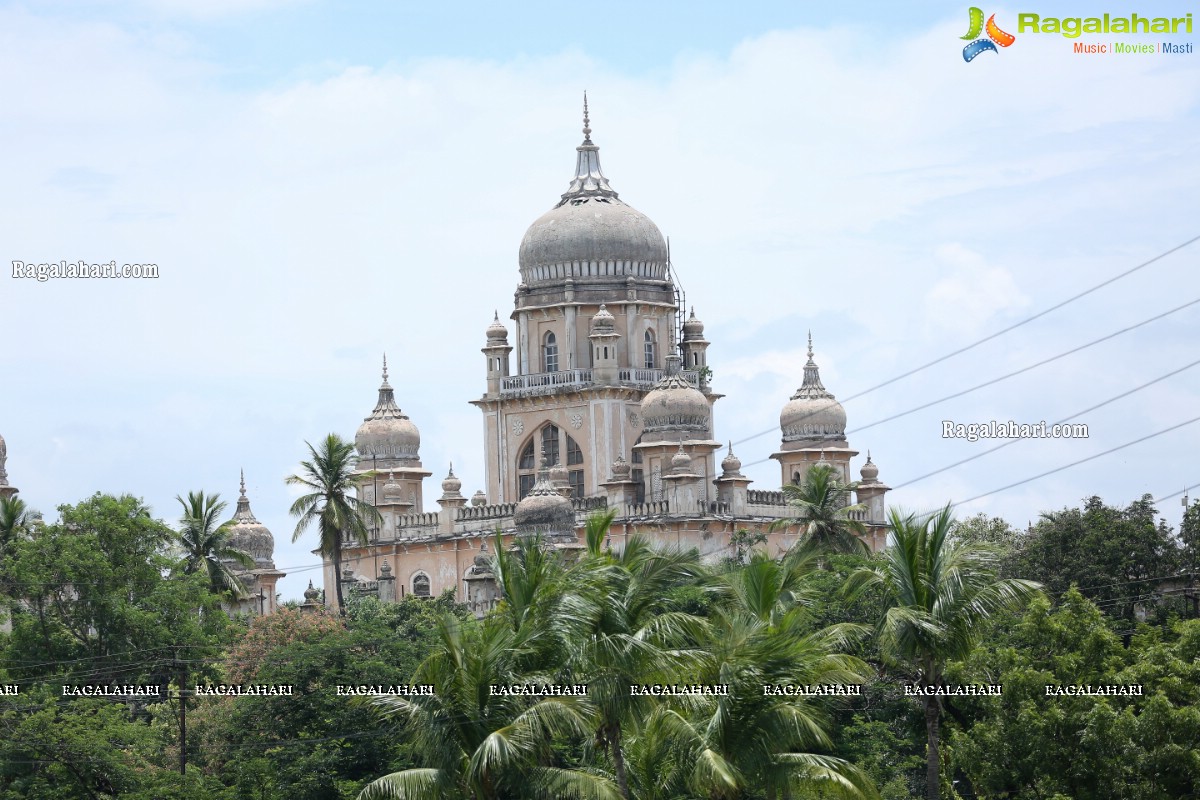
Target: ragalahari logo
[{"x": 995, "y": 36}]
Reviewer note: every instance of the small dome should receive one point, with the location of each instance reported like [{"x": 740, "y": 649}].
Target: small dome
[
  {"x": 451, "y": 484},
  {"x": 693, "y": 328},
  {"x": 731, "y": 464},
  {"x": 869, "y": 471},
  {"x": 675, "y": 405},
  {"x": 391, "y": 489},
  {"x": 604, "y": 321},
  {"x": 387, "y": 432},
  {"x": 591, "y": 232},
  {"x": 544, "y": 510},
  {"x": 496, "y": 332},
  {"x": 620, "y": 469},
  {"x": 251, "y": 536},
  {"x": 680, "y": 461},
  {"x": 812, "y": 412},
  {"x": 311, "y": 593},
  {"x": 558, "y": 474},
  {"x": 479, "y": 498}
]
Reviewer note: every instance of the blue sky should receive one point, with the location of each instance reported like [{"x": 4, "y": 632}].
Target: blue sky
[{"x": 318, "y": 182}]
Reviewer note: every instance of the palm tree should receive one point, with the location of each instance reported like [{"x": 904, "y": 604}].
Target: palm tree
[
  {"x": 620, "y": 630},
  {"x": 205, "y": 543},
  {"x": 938, "y": 593},
  {"x": 329, "y": 475},
  {"x": 728, "y": 746},
  {"x": 824, "y": 513},
  {"x": 15, "y": 519},
  {"x": 15, "y": 522},
  {"x": 480, "y": 745}
]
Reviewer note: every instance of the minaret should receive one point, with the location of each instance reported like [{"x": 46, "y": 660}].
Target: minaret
[
  {"x": 251, "y": 536},
  {"x": 694, "y": 345},
  {"x": 389, "y": 443},
  {"x": 813, "y": 428},
  {"x": 604, "y": 338},
  {"x": 5, "y": 489},
  {"x": 496, "y": 350}
]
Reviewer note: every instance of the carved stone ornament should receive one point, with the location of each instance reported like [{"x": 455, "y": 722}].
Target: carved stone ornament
[
  {"x": 518, "y": 427},
  {"x": 576, "y": 421},
  {"x": 634, "y": 419}
]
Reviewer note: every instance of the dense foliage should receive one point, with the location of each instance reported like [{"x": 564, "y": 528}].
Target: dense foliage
[{"x": 104, "y": 596}]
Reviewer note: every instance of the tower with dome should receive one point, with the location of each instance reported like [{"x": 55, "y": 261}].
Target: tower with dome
[{"x": 598, "y": 397}]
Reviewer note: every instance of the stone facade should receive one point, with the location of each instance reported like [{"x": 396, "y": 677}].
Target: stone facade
[{"x": 601, "y": 400}]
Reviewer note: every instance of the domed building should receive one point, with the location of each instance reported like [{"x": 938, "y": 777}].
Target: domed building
[
  {"x": 252, "y": 537},
  {"x": 389, "y": 454},
  {"x": 598, "y": 397}
]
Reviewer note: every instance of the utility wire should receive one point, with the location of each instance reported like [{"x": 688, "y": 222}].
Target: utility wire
[
  {"x": 1067, "y": 418},
  {"x": 1041, "y": 363},
  {"x": 1003, "y": 331},
  {"x": 1077, "y": 463}
]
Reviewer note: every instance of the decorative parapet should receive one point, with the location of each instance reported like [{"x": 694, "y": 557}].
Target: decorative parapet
[
  {"x": 760, "y": 497},
  {"x": 545, "y": 382},
  {"x": 653, "y": 508},
  {"x": 540, "y": 383},
  {"x": 417, "y": 520},
  {"x": 493, "y": 511},
  {"x": 587, "y": 504}
]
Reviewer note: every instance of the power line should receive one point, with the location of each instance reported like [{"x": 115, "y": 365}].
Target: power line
[
  {"x": 1077, "y": 463},
  {"x": 1067, "y": 418},
  {"x": 1041, "y": 363},
  {"x": 1003, "y": 331}
]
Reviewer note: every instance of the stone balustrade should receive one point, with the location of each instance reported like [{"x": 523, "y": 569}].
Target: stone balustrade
[{"x": 550, "y": 382}]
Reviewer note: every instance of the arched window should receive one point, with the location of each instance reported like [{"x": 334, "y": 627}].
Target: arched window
[
  {"x": 550, "y": 352},
  {"x": 553, "y": 442},
  {"x": 637, "y": 475},
  {"x": 574, "y": 459},
  {"x": 550, "y": 444},
  {"x": 796, "y": 478},
  {"x": 528, "y": 462},
  {"x": 649, "y": 349},
  {"x": 420, "y": 585}
]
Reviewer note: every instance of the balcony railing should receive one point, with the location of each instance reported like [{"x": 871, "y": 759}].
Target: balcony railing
[{"x": 550, "y": 382}]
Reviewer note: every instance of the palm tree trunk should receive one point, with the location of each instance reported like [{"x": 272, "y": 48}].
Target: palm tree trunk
[
  {"x": 614, "y": 739},
  {"x": 932, "y": 784},
  {"x": 337, "y": 576}
]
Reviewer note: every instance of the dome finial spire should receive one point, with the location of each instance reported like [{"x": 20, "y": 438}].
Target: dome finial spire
[
  {"x": 243, "y": 483},
  {"x": 810, "y": 350},
  {"x": 587, "y": 130},
  {"x": 385, "y": 380}
]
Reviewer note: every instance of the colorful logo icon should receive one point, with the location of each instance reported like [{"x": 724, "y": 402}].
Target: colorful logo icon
[{"x": 995, "y": 36}]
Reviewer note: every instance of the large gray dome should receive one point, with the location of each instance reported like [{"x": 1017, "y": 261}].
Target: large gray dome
[
  {"x": 592, "y": 233},
  {"x": 592, "y": 237}
]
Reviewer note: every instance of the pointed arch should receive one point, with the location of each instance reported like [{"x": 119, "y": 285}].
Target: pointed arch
[{"x": 550, "y": 352}]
